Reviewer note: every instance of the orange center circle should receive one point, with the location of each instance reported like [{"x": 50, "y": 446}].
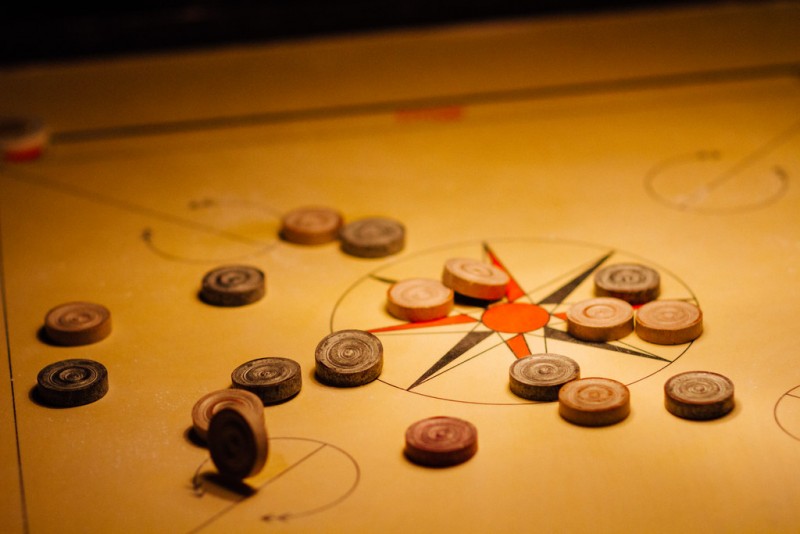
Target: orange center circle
[{"x": 515, "y": 318}]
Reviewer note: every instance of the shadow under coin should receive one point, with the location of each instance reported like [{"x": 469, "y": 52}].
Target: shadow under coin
[
  {"x": 191, "y": 437},
  {"x": 41, "y": 335},
  {"x": 223, "y": 487},
  {"x": 33, "y": 395},
  {"x": 463, "y": 300}
]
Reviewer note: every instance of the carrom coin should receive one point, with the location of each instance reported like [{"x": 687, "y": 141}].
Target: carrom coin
[
  {"x": 475, "y": 279},
  {"x": 311, "y": 225},
  {"x": 419, "y": 299},
  {"x": 594, "y": 401},
  {"x": 372, "y": 237},
  {"x": 272, "y": 379},
  {"x": 441, "y": 441},
  {"x": 237, "y": 441},
  {"x": 233, "y": 285},
  {"x": 600, "y": 319},
  {"x": 698, "y": 395},
  {"x": 539, "y": 377},
  {"x": 77, "y": 323},
  {"x": 669, "y": 322},
  {"x": 209, "y": 404},
  {"x": 631, "y": 282},
  {"x": 349, "y": 358},
  {"x": 71, "y": 383}
]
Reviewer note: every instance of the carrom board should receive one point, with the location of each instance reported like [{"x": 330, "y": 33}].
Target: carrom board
[{"x": 552, "y": 145}]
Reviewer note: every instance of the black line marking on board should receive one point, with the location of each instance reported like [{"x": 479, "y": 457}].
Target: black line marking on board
[
  {"x": 560, "y": 295},
  {"x": 4, "y": 299},
  {"x": 93, "y": 196},
  {"x": 775, "y": 413},
  {"x": 350, "y": 490},
  {"x": 459, "y": 364},
  {"x": 560, "y": 335},
  {"x": 197, "y": 483},
  {"x": 636, "y": 83},
  {"x": 521, "y": 402},
  {"x": 283, "y": 516},
  {"x": 467, "y": 342},
  {"x": 147, "y": 237},
  {"x": 383, "y": 279}
]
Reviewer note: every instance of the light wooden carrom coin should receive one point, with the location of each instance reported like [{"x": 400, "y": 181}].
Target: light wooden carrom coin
[
  {"x": 373, "y": 237},
  {"x": 349, "y": 358},
  {"x": 237, "y": 441},
  {"x": 77, "y": 323},
  {"x": 594, "y": 401},
  {"x": 539, "y": 377},
  {"x": 475, "y": 279},
  {"x": 441, "y": 441},
  {"x": 419, "y": 299},
  {"x": 233, "y": 285},
  {"x": 71, "y": 383},
  {"x": 272, "y": 379},
  {"x": 600, "y": 319},
  {"x": 669, "y": 322},
  {"x": 311, "y": 225},
  {"x": 698, "y": 395},
  {"x": 22, "y": 139},
  {"x": 209, "y": 404},
  {"x": 631, "y": 282}
]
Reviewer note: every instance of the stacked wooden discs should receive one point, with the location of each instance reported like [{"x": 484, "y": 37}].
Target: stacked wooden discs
[
  {"x": 237, "y": 441},
  {"x": 631, "y": 282},
  {"x": 669, "y": 322},
  {"x": 349, "y": 358},
  {"x": 698, "y": 395},
  {"x": 211, "y": 403},
  {"x": 419, "y": 299},
  {"x": 22, "y": 139},
  {"x": 77, "y": 323},
  {"x": 475, "y": 279},
  {"x": 311, "y": 225},
  {"x": 373, "y": 237},
  {"x": 594, "y": 401},
  {"x": 233, "y": 285},
  {"x": 70, "y": 383},
  {"x": 600, "y": 319},
  {"x": 441, "y": 441},
  {"x": 272, "y": 379},
  {"x": 539, "y": 377}
]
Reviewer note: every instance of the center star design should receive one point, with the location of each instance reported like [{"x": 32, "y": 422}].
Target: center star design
[{"x": 511, "y": 318}]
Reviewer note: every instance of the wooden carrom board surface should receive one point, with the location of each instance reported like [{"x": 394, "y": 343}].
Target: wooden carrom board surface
[{"x": 669, "y": 138}]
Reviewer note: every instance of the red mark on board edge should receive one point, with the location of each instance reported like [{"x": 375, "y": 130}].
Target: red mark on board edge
[{"x": 28, "y": 154}]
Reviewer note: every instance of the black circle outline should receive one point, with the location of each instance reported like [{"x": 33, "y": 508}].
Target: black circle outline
[{"x": 479, "y": 243}]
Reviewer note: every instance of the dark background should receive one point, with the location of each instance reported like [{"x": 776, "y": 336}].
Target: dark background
[{"x": 34, "y": 31}]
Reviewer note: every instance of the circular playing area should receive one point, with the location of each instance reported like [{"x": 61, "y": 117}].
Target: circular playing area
[{"x": 466, "y": 355}]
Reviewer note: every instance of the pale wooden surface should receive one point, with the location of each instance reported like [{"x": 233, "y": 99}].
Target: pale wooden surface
[{"x": 671, "y": 137}]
